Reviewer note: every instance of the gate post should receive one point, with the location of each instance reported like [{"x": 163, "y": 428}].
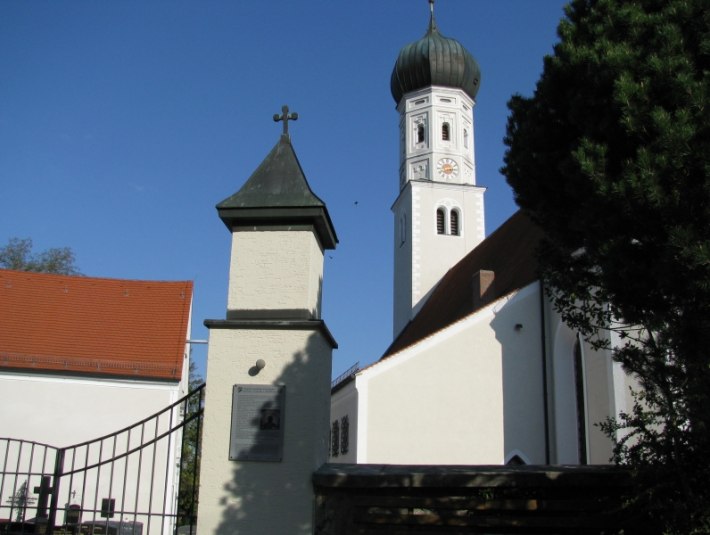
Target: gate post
[
  {"x": 267, "y": 402},
  {"x": 58, "y": 471}
]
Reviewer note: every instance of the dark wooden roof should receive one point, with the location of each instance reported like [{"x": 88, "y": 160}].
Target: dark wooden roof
[{"x": 509, "y": 252}]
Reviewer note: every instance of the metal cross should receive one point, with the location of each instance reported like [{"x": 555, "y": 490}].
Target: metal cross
[{"x": 285, "y": 117}]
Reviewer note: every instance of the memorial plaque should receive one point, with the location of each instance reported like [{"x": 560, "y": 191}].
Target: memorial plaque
[{"x": 257, "y": 423}]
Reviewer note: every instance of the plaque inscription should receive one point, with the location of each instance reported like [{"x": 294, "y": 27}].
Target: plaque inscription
[{"x": 257, "y": 423}]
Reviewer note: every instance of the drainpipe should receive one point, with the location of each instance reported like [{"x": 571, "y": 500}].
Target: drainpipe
[{"x": 543, "y": 338}]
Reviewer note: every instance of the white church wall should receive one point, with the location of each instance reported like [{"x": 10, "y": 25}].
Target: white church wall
[
  {"x": 518, "y": 329},
  {"x": 564, "y": 406},
  {"x": 471, "y": 394},
  {"x": 66, "y": 411},
  {"x": 62, "y": 411},
  {"x": 600, "y": 398},
  {"x": 408, "y": 228},
  {"x": 344, "y": 405},
  {"x": 439, "y": 402},
  {"x": 600, "y": 404}
]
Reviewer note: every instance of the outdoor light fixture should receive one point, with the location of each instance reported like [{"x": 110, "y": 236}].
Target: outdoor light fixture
[{"x": 260, "y": 364}]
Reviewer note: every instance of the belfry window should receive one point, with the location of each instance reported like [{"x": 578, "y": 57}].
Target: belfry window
[
  {"x": 445, "y": 134},
  {"x": 440, "y": 221},
  {"x": 454, "y": 223},
  {"x": 448, "y": 221},
  {"x": 420, "y": 133},
  {"x": 465, "y": 139}
]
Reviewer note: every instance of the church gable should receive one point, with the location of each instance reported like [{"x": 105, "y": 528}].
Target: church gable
[{"x": 509, "y": 253}]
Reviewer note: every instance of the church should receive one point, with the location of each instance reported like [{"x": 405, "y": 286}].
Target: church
[{"x": 481, "y": 370}]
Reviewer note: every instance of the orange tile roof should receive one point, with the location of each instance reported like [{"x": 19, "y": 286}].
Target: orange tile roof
[{"x": 93, "y": 326}]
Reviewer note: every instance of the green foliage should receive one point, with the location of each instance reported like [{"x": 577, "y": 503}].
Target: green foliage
[
  {"x": 611, "y": 157},
  {"x": 191, "y": 453},
  {"x": 17, "y": 255}
]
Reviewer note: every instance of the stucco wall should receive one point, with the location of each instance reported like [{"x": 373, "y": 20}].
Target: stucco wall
[
  {"x": 344, "y": 404},
  {"x": 276, "y": 270},
  {"x": 268, "y": 497},
  {"x": 443, "y": 401},
  {"x": 62, "y": 411},
  {"x": 518, "y": 329}
]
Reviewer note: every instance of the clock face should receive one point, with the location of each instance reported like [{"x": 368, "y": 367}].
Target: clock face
[{"x": 447, "y": 168}]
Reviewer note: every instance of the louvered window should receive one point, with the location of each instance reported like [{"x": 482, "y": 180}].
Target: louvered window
[
  {"x": 440, "y": 221},
  {"x": 445, "y": 135},
  {"x": 454, "y": 223}
]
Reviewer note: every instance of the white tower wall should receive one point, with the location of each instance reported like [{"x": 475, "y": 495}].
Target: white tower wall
[{"x": 437, "y": 174}]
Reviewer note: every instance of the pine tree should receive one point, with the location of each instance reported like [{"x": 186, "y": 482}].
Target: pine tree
[{"x": 611, "y": 157}]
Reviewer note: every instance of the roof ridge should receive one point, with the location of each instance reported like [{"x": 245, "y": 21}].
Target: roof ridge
[{"x": 87, "y": 278}]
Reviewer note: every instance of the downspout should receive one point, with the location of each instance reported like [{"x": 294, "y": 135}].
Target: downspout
[{"x": 543, "y": 338}]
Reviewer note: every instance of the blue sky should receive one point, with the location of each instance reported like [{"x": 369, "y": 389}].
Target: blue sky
[{"x": 123, "y": 123}]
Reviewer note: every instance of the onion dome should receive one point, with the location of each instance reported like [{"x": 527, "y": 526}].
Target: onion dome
[{"x": 434, "y": 60}]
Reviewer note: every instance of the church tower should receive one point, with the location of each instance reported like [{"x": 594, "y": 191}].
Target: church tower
[{"x": 439, "y": 211}]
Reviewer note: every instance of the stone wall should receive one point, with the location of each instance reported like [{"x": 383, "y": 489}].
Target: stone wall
[{"x": 364, "y": 499}]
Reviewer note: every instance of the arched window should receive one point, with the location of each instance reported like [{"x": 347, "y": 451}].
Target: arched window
[
  {"x": 420, "y": 133},
  {"x": 454, "y": 223},
  {"x": 440, "y": 221},
  {"x": 445, "y": 134},
  {"x": 465, "y": 139},
  {"x": 515, "y": 460}
]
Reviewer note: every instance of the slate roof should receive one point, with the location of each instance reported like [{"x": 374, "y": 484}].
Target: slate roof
[
  {"x": 93, "y": 326},
  {"x": 278, "y": 193},
  {"x": 509, "y": 252}
]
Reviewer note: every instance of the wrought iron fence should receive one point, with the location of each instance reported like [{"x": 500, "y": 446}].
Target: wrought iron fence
[{"x": 140, "y": 480}]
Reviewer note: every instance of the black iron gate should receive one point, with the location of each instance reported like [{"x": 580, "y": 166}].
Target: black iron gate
[{"x": 141, "y": 480}]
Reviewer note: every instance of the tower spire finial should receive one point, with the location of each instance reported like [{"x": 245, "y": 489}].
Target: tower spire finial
[
  {"x": 285, "y": 117},
  {"x": 432, "y": 21}
]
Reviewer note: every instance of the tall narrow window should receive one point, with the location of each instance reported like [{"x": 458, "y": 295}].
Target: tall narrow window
[
  {"x": 454, "y": 223},
  {"x": 465, "y": 139},
  {"x": 420, "y": 133},
  {"x": 344, "y": 434},
  {"x": 445, "y": 134},
  {"x": 335, "y": 439},
  {"x": 440, "y": 221},
  {"x": 402, "y": 229},
  {"x": 581, "y": 410}
]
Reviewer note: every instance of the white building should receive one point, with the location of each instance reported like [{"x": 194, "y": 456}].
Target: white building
[
  {"x": 481, "y": 370},
  {"x": 82, "y": 358}
]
